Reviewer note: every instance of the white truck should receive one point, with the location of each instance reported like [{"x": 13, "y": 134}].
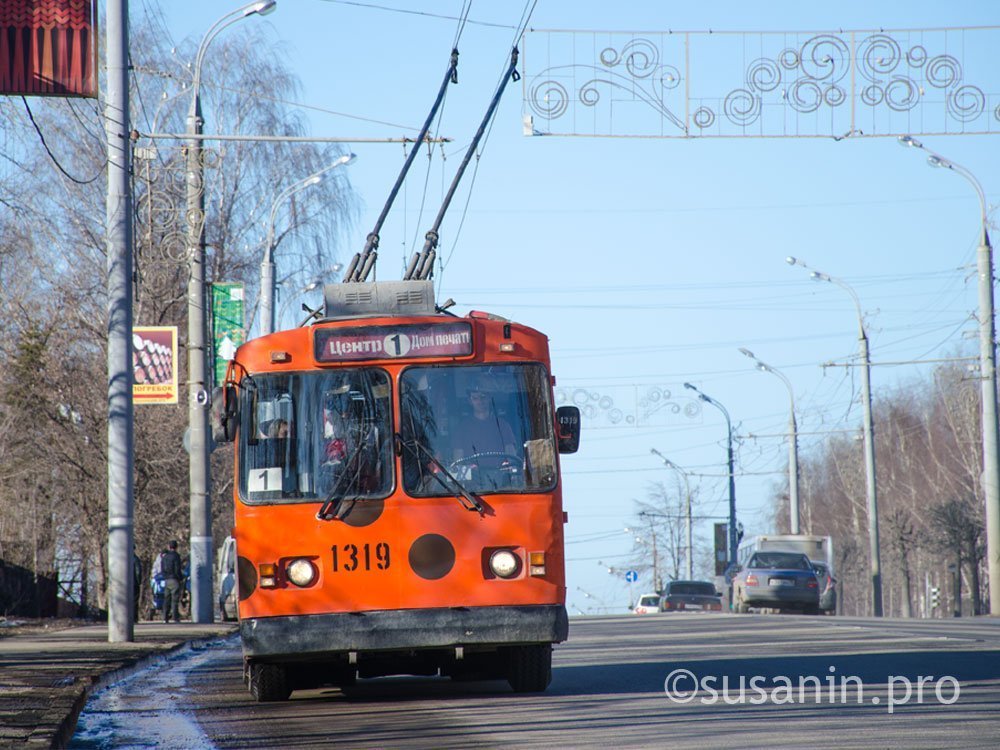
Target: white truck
[{"x": 816, "y": 548}]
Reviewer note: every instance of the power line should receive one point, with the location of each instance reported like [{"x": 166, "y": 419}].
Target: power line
[{"x": 53, "y": 156}]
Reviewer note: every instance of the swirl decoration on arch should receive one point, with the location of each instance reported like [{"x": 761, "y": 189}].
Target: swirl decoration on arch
[
  {"x": 629, "y": 406},
  {"x": 871, "y": 76},
  {"x": 635, "y": 70}
]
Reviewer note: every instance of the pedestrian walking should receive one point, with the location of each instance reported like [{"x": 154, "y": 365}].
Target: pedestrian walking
[
  {"x": 136, "y": 584},
  {"x": 173, "y": 582}
]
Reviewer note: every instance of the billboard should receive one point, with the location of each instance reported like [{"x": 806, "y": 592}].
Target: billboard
[
  {"x": 228, "y": 332},
  {"x": 48, "y": 48},
  {"x": 154, "y": 364}
]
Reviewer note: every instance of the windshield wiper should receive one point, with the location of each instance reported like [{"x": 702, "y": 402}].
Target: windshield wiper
[
  {"x": 335, "y": 498},
  {"x": 466, "y": 498}
]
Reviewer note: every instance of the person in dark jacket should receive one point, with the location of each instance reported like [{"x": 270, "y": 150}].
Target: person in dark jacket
[
  {"x": 136, "y": 584},
  {"x": 173, "y": 581}
]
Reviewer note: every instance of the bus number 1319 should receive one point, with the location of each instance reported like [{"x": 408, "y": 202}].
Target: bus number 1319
[{"x": 349, "y": 557}]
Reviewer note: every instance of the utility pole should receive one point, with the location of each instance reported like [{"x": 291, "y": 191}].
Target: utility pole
[
  {"x": 687, "y": 516},
  {"x": 121, "y": 627},
  {"x": 197, "y": 337},
  {"x": 733, "y": 540},
  {"x": 874, "y": 554},
  {"x": 793, "y": 441},
  {"x": 988, "y": 373}
]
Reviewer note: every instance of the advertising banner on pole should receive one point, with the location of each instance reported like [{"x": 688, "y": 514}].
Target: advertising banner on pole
[
  {"x": 154, "y": 363},
  {"x": 227, "y": 325},
  {"x": 48, "y": 48}
]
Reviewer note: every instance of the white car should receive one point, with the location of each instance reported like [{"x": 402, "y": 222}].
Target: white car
[
  {"x": 648, "y": 604},
  {"x": 225, "y": 575}
]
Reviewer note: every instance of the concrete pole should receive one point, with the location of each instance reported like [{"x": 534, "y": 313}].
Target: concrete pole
[
  {"x": 199, "y": 488},
  {"x": 874, "y": 554},
  {"x": 871, "y": 487},
  {"x": 793, "y": 441},
  {"x": 690, "y": 542},
  {"x": 988, "y": 373},
  {"x": 267, "y": 283},
  {"x": 793, "y": 471},
  {"x": 733, "y": 541},
  {"x": 991, "y": 441},
  {"x": 121, "y": 459},
  {"x": 688, "y": 534},
  {"x": 197, "y": 344}
]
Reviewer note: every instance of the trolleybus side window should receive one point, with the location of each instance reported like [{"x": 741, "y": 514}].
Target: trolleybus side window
[
  {"x": 488, "y": 427},
  {"x": 316, "y": 433}
]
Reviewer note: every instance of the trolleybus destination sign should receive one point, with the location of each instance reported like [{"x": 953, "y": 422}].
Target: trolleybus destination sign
[{"x": 379, "y": 342}]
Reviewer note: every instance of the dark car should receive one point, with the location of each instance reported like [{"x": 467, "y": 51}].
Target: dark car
[
  {"x": 827, "y": 587},
  {"x": 777, "y": 580},
  {"x": 699, "y": 596}
]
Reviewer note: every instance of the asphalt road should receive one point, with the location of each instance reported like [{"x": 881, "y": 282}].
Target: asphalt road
[{"x": 806, "y": 682}]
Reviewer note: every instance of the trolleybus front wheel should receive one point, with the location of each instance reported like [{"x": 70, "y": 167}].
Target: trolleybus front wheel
[
  {"x": 269, "y": 682},
  {"x": 529, "y": 668}
]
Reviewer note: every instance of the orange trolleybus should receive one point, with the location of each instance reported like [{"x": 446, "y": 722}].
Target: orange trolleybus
[{"x": 398, "y": 506}]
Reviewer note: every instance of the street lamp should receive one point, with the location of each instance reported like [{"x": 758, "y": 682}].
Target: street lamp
[
  {"x": 687, "y": 490},
  {"x": 793, "y": 442},
  {"x": 733, "y": 541},
  {"x": 198, "y": 393},
  {"x": 267, "y": 264},
  {"x": 313, "y": 285},
  {"x": 874, "y": 553},
  {"x": 988, "y": 367}
]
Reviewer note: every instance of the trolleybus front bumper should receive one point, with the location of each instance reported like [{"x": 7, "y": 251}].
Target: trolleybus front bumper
[{"x": 304, "y": 636}]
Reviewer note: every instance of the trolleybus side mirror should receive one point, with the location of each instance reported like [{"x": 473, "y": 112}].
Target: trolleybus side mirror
[
  {"x": 224, "y": 414},
  {"x": 568, "y": 421}
]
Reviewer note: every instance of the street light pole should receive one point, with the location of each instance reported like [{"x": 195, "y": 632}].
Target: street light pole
[
  {"x": 267, "y": 264},
  {"x": 988, "y": 374},
  {"x": 733, "y": 542},
  {"x": 198, "y": 392},
  {"x": 121, "y": 448},
  {"x": 874, "y": 550},
  {"x": 793, "y": 442},
  {"x": 687, "y": 490}
]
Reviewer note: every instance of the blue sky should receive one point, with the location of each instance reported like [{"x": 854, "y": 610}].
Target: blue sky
[{"x": 649, "y": 261}]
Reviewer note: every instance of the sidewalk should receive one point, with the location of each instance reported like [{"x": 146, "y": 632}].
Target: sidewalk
[{"x": 45, "y": 678}]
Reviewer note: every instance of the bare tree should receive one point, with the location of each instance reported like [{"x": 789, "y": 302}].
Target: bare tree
[{"x": 53, "y": 269}]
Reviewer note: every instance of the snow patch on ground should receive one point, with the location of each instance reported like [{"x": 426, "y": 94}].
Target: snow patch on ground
[{"x": 147, "y": 708}]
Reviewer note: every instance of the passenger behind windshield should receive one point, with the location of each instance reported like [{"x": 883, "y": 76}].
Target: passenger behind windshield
[{"x": 350, "y": 461}]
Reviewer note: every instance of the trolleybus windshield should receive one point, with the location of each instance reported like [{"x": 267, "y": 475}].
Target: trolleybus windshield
[
  {"x": 307, "y": 434},
  {"x": 489, "y": 427}
]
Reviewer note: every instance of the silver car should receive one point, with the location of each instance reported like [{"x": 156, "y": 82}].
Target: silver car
[{"x": 777, "y": 580}]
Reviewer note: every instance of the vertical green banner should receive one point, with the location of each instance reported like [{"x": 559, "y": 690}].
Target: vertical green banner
[{"x": 227, "y": 325}]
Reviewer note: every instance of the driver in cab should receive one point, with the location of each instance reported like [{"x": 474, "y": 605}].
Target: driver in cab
[{"x": 483, "y": 439}]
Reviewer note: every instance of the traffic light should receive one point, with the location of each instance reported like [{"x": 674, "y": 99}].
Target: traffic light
[{"x": 935, "y": 597}]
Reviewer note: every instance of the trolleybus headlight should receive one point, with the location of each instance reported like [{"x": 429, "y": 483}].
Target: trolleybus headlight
[
  {"x": 505, "y": 563},
  {"x": 301, "y": 572}
]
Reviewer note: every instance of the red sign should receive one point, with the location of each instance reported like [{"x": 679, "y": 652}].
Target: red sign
[
  {"x": 47, "y": 47},
  {"x": 393, "y": 342}
]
